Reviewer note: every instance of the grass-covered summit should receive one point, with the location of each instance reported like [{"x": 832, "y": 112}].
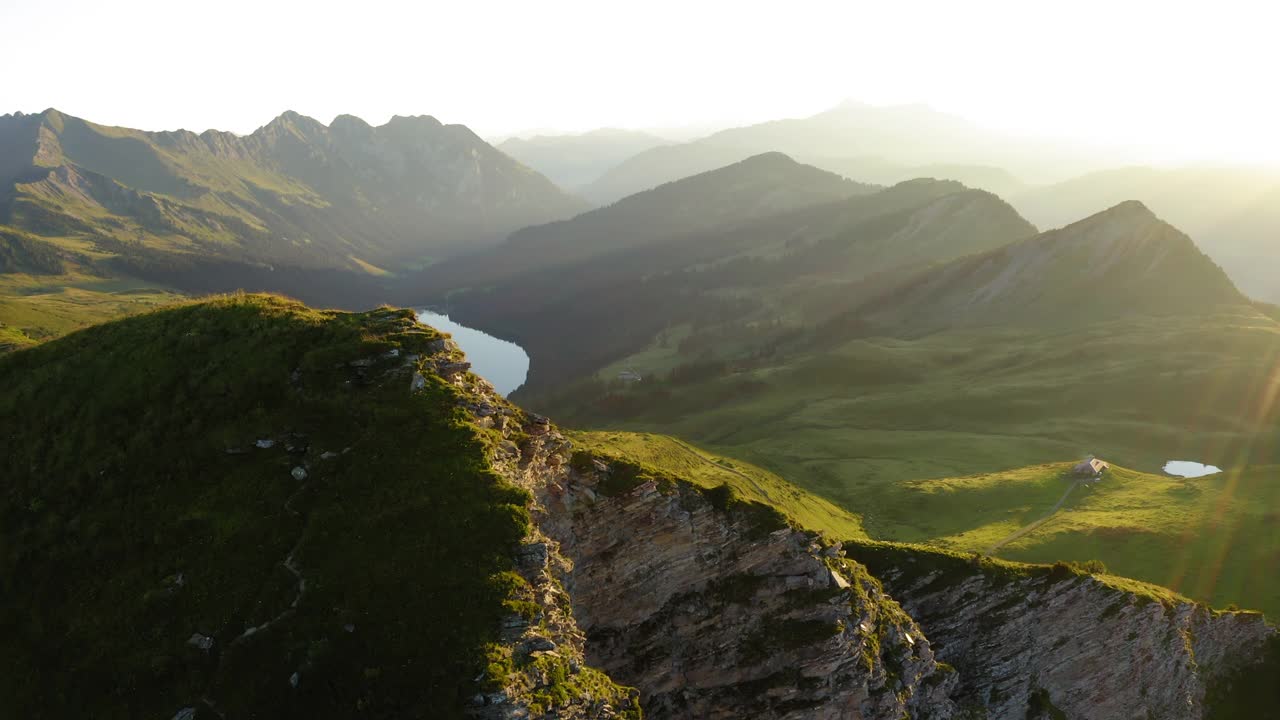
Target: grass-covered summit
[{"x": 238, "y": 506}]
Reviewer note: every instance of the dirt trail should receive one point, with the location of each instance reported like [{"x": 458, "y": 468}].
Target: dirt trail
[
  {"x": 1025, "y": 530},
  {"x": 718, "y": 466}
]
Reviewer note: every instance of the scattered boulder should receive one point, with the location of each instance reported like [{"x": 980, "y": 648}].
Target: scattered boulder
[
  {"x": 328, "y": 455},
  {"x": 533, "y": 555},
  {"x": 838, "y": 580},
  {"x": 293, "y": 680},
  {"x": 419, "y": 382},
  {"x": 538, "y": 643},
  {"x": 186, "y": 713},
  {"x": 299, "y": 473},
  {"x": 449, "y": 368},
  {"x": 265, "y": 443}
]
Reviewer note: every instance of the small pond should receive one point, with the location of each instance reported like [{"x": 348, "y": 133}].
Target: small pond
[{"x": 1189, "y": 469}]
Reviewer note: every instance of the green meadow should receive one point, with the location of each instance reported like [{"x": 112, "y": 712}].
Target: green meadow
[
  {"x": 960, "y": 439},
  {"x": 38, "y": 307}
]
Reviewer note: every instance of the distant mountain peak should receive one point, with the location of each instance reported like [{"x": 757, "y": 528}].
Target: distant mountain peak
[
  {"x": 346, "y": 121},
  {"x": 293, "y": 120},
  {"x": 1119, "y": 262},
  {"x": 1129, "y": 209},
  {"x": 952, "y": 185},
  {"x": 412, "y": 120},
  {"x": 1129, "y": 220},
  {"x": 769, "y": 159}
]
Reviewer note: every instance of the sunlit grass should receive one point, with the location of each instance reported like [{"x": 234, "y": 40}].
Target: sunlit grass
[{"x": 683, "y": 460}]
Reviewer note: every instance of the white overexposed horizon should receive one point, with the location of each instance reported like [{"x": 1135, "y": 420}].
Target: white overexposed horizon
[{"x": 1181, "y": 81}]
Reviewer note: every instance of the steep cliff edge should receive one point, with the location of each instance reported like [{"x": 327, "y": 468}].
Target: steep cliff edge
[
  {"x": 1038, "y": 640},
  {"x": 717, "y": 608}
]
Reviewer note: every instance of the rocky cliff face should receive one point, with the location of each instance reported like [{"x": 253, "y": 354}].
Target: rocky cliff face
[
  {"x": 717, "y": 609},
  {"x": 1035, "y": 642},
  {"x": 537, "y": 669}
]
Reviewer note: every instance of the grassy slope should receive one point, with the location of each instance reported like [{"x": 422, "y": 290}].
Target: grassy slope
[
  {"x": 118, "y": 483},
  {"x": 1212, "y": 538},
  {"x": 47, "y": 306},
  {"x": 707, "y": 470},
  {"x": 944, "y": 439},
  {"x": 1176, "y": 515},
  {"x": 51, "y": 286},
  {"x": 885, "y": 410}
]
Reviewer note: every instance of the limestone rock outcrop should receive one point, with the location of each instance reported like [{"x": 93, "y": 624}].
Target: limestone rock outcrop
[{"x": 1027, "y": 639}]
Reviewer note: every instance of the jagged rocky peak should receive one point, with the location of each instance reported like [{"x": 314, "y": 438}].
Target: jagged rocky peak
[{"x": 292, "y": 122}]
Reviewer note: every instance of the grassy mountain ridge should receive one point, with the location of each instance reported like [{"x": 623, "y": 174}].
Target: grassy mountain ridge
[
  {"x": 257, "y": 430},
  {"x": 1229, "y": 211},
  {"x": 1119, "y": 261}
]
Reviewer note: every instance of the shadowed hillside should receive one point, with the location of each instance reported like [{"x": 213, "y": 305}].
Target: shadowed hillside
[
  {"x": 1119, "y": 262},
  {"x": 606, "y": 284}
]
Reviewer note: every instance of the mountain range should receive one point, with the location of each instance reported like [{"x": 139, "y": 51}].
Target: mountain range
[
  {"x": 241, "y": 506},
  {"x": 864, "y": 142},
  {"x": 295, "y": 193},
  {"x": 573, "y": 161},
  {"x": 753, "y": 188},
  {"x": 611, "y": 276}
]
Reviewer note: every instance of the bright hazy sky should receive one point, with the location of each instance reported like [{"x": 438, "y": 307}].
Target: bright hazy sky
[{"x": 1192, "y": 79}]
